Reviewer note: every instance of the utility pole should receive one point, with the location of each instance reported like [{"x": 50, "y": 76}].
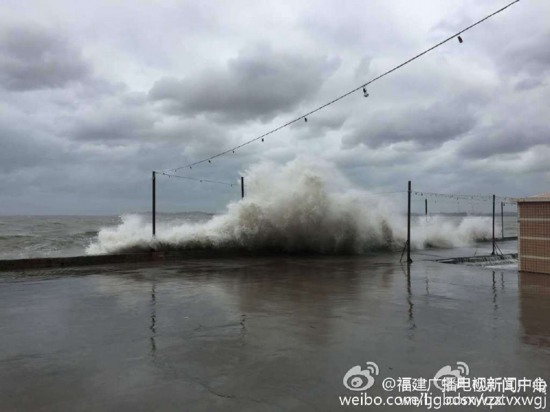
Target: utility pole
[
  {"x": 154, "y": 212},
  {"x": 494, "y": 197},
  {"x": 502, "y": 219},
  {"x": 242, "y": 187},
  {"x": 409, "y": 260},
  {"x": 426, "y": 207}
]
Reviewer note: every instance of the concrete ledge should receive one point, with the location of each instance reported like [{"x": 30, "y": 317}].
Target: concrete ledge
[
  {"x": 75, "y": 261},
  {"x": 152, "y": 256},
  {"x": 59, "y": 262}
]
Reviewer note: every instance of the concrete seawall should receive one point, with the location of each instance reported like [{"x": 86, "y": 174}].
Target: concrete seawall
[
  {"x": 75, "y": 261},
  {"x": 58, "y": 262},
  {"x": 167, "y": 255}
]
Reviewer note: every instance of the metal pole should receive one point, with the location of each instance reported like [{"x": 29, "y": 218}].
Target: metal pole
[
  {"x": 242, "y": 187},
  {"x": 409, "y": 260},
  {"x": 154, "y": 213},
  {"x": 502, "y": 219},
  {"x": 493, "y": 225},
  {"x": 426, "y": 207}
]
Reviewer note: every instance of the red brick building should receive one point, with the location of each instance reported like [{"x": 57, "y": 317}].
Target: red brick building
[{"x": 534, "y": 233}]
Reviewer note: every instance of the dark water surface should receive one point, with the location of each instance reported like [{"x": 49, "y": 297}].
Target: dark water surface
[
  {"x": 60, "y": 236},
  {"x": 257, "y": 334},
  {"x": 24, "y": 237}
]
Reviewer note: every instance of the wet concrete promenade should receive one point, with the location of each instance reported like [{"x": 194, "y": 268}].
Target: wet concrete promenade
[{"x": 258, "y": 334}]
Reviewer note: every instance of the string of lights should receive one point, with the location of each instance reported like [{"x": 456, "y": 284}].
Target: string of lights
[
  {"x": 362, "y": 87},
  {"x": 439, "y": 200},
  {"x": 453, "y": 196},
  {"x": 197, "y": 179},
  {"x": 462, "y": 196},
  {"x": 454, "y": 202}
]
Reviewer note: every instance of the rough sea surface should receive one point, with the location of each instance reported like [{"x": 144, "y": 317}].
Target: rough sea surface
[{"x": 53, "y": 236}]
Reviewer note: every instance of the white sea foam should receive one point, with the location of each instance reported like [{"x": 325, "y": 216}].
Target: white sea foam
[{"x": 303, "y": 206}]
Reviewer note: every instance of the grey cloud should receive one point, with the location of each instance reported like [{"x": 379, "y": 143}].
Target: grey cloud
[
  {"x": 530, "y": 55},
  {"x": 113, "y": 126},
  {"x": 354, "y": 24},
  {"x": 86, "y": 141},
  {"x": 508, "y": 138},
  {"x": 257, "y": 85},
  {"x": 33, "y": 58},
  {"x": 529, "y": 83},
  {"x": 428, "y": 127},
  {"x": 516, "y": 122},
  {"x": 318, "y": 126},
  {"x": 15, "y": 153},
  {"x": 22, "y": 149},
  {"x": 117, "y": 118},
  {"x": 131, "y": 120},
  {"x": 364, "y": 68},
  {"x": 197, "y": 137}
]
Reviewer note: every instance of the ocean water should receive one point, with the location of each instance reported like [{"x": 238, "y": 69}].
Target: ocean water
[{"x": 54, "y": 236}]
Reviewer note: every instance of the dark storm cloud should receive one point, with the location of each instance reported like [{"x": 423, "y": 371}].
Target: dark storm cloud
[
  {"x": 256, "y": 85},
  {"x": 428, "y": 127},
  {"x": 199, "y": 136},
  {"x": 114, "y": 126},
  {"x": 21, "y": 149},
  {"x": 508, "y": 138},
  {"x": 514, "y": 123},
  {"x": 33, "y": 58},
  {"x": 528, "y": 58},
  {"x": 129, "y": 120},
  {"x": 319, "y": 126},
  {"x": 171, "y": 84}
]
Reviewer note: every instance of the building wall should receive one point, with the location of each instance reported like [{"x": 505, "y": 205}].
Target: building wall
[{"x": 534, "y": 236}]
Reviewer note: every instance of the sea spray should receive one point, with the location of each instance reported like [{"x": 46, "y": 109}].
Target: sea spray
[{"x": 304, "y": 206}]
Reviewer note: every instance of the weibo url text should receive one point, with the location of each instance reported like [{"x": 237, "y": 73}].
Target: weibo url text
[{"x": 429, "y": 401}]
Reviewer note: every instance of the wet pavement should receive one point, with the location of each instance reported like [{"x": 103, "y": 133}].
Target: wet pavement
[{"x": 259, "y": 334}]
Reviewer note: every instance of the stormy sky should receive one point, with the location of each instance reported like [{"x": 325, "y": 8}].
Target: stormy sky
[{"x": 95, "y": 95}]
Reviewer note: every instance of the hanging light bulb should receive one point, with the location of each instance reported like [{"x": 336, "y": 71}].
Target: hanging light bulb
[
  {"x": 190, "y": 167},
  {"x": 305, "y": 119},
  {"x": 460, "y": 39},
  {"x": 365, "y": 94},
  {"x": 233, "y": 151},
  {"x": 262, "y": 139},
  {"x": 209, "y": 161}
]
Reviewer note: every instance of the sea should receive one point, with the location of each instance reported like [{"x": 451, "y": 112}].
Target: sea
[
  {"x": 23, "y": 237},
  {"x": 60, "y": 236}
]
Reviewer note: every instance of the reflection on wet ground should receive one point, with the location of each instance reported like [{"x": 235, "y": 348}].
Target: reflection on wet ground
[{"x": 259, "y": 333}]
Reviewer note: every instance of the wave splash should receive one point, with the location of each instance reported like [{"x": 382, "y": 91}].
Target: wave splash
[{"x": 304, "y": 206}]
